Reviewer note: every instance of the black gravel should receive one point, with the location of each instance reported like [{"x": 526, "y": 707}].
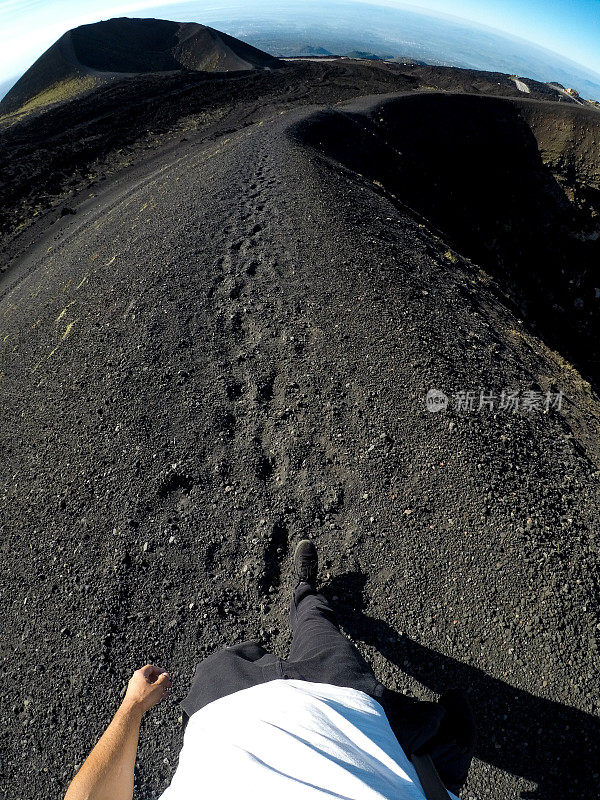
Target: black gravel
[{"x": 228, "y": 348}]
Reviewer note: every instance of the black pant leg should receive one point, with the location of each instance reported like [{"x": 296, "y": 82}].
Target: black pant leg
[
  {"x": 228, "y": 671},
  {"x": 313, "y": 624},
  {"x": 319, "y": 651}
]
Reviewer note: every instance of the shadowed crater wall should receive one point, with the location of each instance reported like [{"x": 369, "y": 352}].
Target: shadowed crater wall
[
  {"x": 513, "y": 185},
  {"x": 90, "y": 55},
  {"x": 156, "y": 45}
]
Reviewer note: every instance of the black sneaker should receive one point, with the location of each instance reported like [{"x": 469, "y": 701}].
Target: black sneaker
[{"x": 306, "y": 563}]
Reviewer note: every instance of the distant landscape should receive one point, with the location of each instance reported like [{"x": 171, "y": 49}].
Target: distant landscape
[{"x": 340, "y": 27}]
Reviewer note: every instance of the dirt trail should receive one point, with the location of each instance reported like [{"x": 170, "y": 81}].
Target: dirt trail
[
  {"x": 522, "y": 86},
  {"x": 232, "y": 356}
]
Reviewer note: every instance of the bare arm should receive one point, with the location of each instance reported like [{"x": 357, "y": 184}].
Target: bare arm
[{"x": 107, "y": 773}]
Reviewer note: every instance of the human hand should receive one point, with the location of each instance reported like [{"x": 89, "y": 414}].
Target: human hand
[{"x": 147, "y": 687}]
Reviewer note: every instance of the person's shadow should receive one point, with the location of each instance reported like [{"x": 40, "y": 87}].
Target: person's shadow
[{"x": 546, "y": 742}]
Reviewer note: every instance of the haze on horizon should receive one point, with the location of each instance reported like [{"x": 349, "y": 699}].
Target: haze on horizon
[{"x": 571, "y": 30}]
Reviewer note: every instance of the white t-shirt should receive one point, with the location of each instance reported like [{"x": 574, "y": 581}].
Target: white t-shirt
[{"x": 293, "y": 740}]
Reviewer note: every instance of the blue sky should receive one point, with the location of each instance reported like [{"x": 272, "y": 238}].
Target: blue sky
[{"x": 568, "y": 27}]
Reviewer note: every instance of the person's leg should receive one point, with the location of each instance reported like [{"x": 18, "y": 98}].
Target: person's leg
[
  {"x": 319, "y": 651},
  {"x": 230, "y": 670},
  {"x": 313, "y": 623}
]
